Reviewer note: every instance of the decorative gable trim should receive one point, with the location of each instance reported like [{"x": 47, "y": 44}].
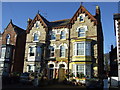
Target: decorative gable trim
[
  {"x": 37, "y": 18},
  {"x": 83, "y": 10}
]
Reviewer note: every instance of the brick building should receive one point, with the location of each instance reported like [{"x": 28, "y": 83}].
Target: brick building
[
  {"x": 13, "y": 46},
  {"x": 71, "y": 45}
]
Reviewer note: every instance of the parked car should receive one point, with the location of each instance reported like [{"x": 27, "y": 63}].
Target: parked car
[{"x": 26, "y": 77}]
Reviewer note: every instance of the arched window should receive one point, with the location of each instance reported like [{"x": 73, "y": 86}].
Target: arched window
[
  {"x": 51, "y": 66},
  {"x": 81, "y": 32},
  {"x": 36, "y": 37},
  {"x": 61, "y": 66},
  {"x": 52, "y": 50},
  {"x": 62, "y": 51},
  {"x": 81, "y": 18},
  {"x": 8, "y": 39},
  {"x": 62, "y": 36}
]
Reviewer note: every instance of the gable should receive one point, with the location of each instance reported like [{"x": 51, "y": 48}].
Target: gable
[
  {"x": 82, "y": 10},
  {"x": 40, "y": 18}
]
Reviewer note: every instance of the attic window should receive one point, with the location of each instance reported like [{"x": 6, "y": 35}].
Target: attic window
[
  {"x": 8, "y": 39},
  {"x": 37, "y": 24},
  {"x": 81, "y": 18}
]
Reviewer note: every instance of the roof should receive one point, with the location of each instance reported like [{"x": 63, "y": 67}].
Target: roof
[
  {"x": 117, "y": 16},
  {"x": 17, "y": 29},
  {"x": 59, "y": 23}
]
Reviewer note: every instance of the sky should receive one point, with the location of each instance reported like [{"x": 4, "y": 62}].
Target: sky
[{"x": 19, "y": 12}]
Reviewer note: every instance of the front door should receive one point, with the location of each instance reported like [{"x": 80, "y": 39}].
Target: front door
[{"x": 61, "y": 75}]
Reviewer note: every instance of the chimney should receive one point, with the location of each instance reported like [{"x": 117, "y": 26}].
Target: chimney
[
  {"x": 111, "y": 47},
  {"x": 98, "y": 14},
  {"x": 29, "y": 21}
]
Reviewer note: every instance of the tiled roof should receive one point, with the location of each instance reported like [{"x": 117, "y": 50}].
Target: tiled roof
[
  {"x": 17, "y": 29},
  {"x": 117, "y": 16},
  {"x": 59, "y": 23}
]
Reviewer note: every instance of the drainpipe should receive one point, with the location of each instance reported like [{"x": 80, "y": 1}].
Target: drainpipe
[{"x": 69, "y": 26}]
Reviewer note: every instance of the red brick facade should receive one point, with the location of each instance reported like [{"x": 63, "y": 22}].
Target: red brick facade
[{"x": 17, "y": 41}]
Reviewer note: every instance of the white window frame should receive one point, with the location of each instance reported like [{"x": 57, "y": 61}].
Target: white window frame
[
  {"x": 62, "y": 51},
  {"x": 53, "y": 35},
  {"x": 75, "y": 48},
  {"x": 52, "y": 51},
  {"x": 83, "y": 16},
  {"x": 63, "y": 35},
  {"x": 8, "y": 39},
  {"x": 74, "y": 71},
  {"x": 37, "y": 24},
  {"x": 3, "y": 53},
  {"x": 33, "y": 67},
  {"x": 80, "y": 33},
  {"x": 36, "y": 40}
]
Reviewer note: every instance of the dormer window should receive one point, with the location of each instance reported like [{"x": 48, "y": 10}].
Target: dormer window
[
  {"x": 81, "y": 32},
  {"x": 8, "y": 39},
  {"x": 36, "y": 37},
  {"x": 63, "y": 35}
]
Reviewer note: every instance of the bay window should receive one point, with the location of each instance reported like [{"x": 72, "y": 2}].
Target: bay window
[
  {"x": 3, "y": 52},
  {"x": 81, "y": 70},
  {"x": 82, "y": 48},
  {"x": 78, "y": 69},
  {"x": 39, "y": 51}
]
